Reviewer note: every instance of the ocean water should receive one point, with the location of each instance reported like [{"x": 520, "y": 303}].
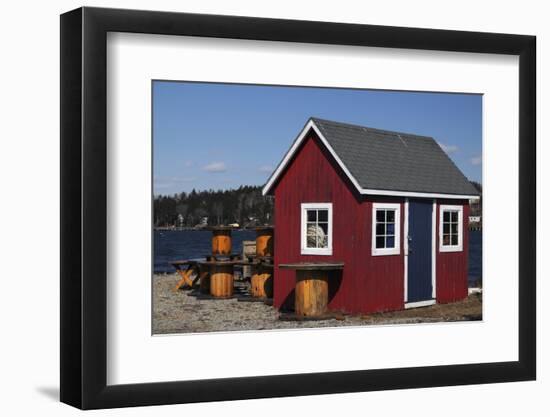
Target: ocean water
[
  {"x": 171, "y": 246},
  {"x": 175, "y": 245}
]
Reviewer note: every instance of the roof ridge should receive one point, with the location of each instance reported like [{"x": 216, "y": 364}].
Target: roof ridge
[{"x": 372, "y": 129}]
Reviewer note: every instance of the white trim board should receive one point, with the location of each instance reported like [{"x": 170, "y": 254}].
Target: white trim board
[
  {"x": 420, "y": 304},
  {"x": 311, "y": 125}
]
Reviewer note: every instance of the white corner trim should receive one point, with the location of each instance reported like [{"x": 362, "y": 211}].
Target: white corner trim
[
  {"x": 455, "y": 248},
  {"x": 304, "y": 250},
  {"x": 406, "y": 251},
  {"x": 420, "y": 304},
  {"x": 434, "y": 254},
  {"x": 297, "y": 142},
  {"x": 391, "y": 251}
]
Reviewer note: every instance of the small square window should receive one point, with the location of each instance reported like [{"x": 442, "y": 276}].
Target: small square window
[
  {"x": 316, "y": 229},
  {"x": 385, "y": 229},
  {"x": 450, "y": 228}
]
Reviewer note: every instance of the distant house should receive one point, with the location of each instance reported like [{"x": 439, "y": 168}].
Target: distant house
[
  {"x": 392, "y": 206},
  {"x": 474, "y": 219}
]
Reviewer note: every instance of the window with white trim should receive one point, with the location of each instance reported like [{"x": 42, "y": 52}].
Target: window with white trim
[
  {"x": 450, "y": 228},
  {"x": 386, "y": 229},
  {"x": 316, "y": 233}
]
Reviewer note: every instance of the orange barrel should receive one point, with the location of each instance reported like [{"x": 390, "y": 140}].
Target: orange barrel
[
  {"x": 264, "y": 241},
  {"x": 261, "y": 282},
  {"x": 221, "y": 241},
  {"x": 311, "y": 293},
  {"x": 221, "y": 279}
]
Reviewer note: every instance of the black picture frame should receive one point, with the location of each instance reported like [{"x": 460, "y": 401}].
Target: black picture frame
[{"x": 84, "y": 207}]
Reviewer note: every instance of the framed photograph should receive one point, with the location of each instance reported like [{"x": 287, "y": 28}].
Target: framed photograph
[{"x": 260, "y": 208}]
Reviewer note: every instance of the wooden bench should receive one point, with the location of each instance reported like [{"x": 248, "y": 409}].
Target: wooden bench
[{"x": 186, "y": 270}]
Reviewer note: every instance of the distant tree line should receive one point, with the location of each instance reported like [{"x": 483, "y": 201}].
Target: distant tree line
[{"x": 244, "y": 205}]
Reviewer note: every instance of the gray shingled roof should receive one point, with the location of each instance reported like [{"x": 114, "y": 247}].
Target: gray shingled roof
[{"x": 384, "y": 160}]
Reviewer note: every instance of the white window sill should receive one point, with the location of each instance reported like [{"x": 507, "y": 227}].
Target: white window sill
[
  {"x": 314, "y": 251},
  {"x": 450, "y": 249},
  {"x": 385, "y": 252}
]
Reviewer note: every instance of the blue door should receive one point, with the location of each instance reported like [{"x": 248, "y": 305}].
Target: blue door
[{"x": 419, "y": 267}]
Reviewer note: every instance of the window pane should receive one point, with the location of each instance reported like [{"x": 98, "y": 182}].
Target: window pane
[
  {"x": 380, "y": 242},
  {"x": 322, "y": 235},
  {"x": 446, "y": 240},
  {"x": 390, "y": 229},
  {"x": 322, "y": 215},
  {"x": 446, "y": 216},
  {"x": 380, "y": 216},
  {"x": 454, "y": 216},
  {"x": 390, "y": 242},
  {"x": 454, "y": 228},
  {"x": 446, "y": 228},
  {"x": 390, "y": 216},
  {"x": 454, "y": 240},
  {"x": 311, "y": 241},
  {"x": 311, "y": 215},
  {"x": 380, "y": 229}
]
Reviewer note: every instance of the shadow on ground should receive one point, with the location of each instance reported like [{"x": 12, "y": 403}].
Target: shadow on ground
[{"x": 50, "y": 392}]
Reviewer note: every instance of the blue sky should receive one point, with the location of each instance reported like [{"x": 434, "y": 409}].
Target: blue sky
[{"x": 220, "y": 136}]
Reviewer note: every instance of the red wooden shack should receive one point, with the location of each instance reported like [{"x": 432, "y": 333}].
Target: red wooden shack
[{"x": 392, "y": 206}]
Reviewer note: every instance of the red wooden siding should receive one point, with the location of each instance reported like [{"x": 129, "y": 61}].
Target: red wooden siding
[
  {"x": 367, "y": 283},
  {"x": 452, "y": 267}
]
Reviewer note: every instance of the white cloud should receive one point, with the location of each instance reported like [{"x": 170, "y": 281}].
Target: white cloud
[
  {"x": 476, "y": 160},
  {"x": 168, "y": 182},
  {"x": 449, "y": 149},
  {"x": 171, "y": 183},
  {"x": 215, "y": 167},
  {"x": 268, "y": 169}
]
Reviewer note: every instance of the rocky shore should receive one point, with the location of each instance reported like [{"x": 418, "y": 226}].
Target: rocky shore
[{"x": 178, "y": 312}]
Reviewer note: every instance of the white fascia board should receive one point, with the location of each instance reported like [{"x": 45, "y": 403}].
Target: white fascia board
[
  {"x": 311, "y": 125},
  {"x": 415, "y": 194},
  {"x": 288, "y": 156}
]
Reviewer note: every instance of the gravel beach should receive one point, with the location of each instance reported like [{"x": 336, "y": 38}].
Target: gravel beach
[{"x": 178, "y": 312}]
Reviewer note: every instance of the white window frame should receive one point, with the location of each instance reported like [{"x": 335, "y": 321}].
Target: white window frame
[
  {"x": 303, "y": 229},
  {"x": 386, "y": 251},
  {"x": 451, "y": 248}
]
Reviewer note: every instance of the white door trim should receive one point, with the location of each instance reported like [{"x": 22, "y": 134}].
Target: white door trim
[
  {"x": 406, "y": 250},
  {"x": 434, "y": 252},
  {"x": 406, "y": 256}
]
